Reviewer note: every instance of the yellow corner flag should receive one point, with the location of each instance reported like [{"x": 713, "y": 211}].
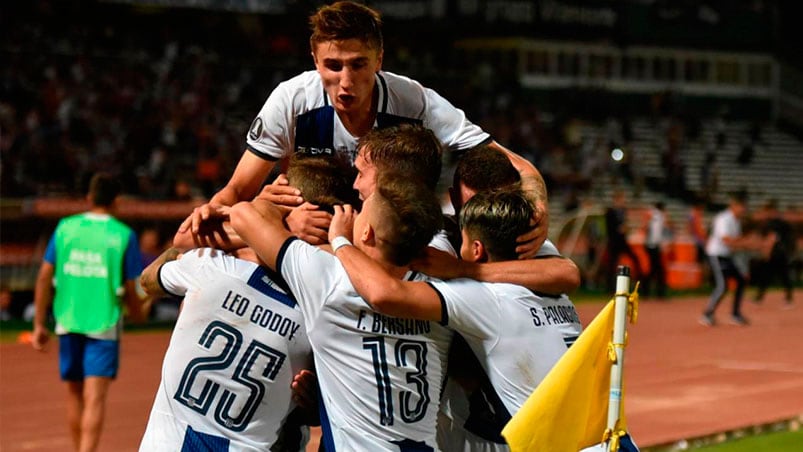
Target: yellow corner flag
[{"x": 568, "y": 410}]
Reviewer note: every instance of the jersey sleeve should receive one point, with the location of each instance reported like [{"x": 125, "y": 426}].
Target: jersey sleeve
[
  {"x": 440, "y": 241},
  {"x": 132, "y": 259},
  {"x": 472, "y": 308},
  {"x": 310, "y": 273},
  {"x": 181, "y": 275},
  {"x": 450, "y": 124},
  {"x": 270, "y": 134},
  {"x": 50, "y": 251}
]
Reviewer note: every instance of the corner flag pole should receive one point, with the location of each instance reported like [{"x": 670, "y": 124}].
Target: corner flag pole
[{"x": 618, "y": 347}]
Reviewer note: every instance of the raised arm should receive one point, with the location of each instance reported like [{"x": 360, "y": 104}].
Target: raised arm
[
  {"x": 385, "y": 293},
  {"x": 248, "y": 177},
  {"x": 260, "y": 224},
  {"x": 149, "y": 279},
  {"x": 551, "y": 275},
  {"x": 532, "y": 183},
  {"x": 530, "y": 175}
]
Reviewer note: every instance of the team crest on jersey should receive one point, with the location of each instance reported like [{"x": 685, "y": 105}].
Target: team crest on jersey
[{"x": 256, "y": 129}]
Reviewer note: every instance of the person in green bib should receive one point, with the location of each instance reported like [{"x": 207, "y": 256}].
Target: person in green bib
[{"x": 92, "y": 261}]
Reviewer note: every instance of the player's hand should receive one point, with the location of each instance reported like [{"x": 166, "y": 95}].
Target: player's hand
[
  {"x": 342, "y": 222},
  {"x": 210, "y": 232},
  {"x": 439, "y": 264},
  {"x": 305, "y": 390},
  {"x": 530, "y": 242},
  {"x": 309, "y": 223},
  {"x": 282, "y": 194},
  {"x": 39, "y": 338},
  {"x": 201, "y": 214}
]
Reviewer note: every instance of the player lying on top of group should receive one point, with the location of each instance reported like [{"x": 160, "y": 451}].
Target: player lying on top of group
[{"x": 327, "y": 110}]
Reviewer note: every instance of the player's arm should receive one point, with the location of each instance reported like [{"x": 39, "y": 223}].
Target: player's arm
[
  {"x": 42, "y": 297},
  {"x": 213, "y": 233},
  {"x": 260, "y": 223},
  {"x": 149, "y": 279},
  {"x": 137, "y": 308},
  {"x": 552, "y": 274},
  {"x": 533, "y": 184},
  {"x": 248, "y": 177},
  {"x": 385, "y": 293}
]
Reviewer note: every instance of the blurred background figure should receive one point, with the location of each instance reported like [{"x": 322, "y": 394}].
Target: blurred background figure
[
  {"x": 726, "y": 238},
  {"x": 617, "y": 229},
  {"x": 657, "y": 238},
  {"x": 698, "y": 231},
  {"x": 778, "y": 248}
]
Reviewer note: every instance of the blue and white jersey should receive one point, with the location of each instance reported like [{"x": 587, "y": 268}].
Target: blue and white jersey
[
  {"x": 517, "y": 335},
  {"x": 462, "y": 423},
  {"x": 380, "y": 376},
  {"x": 298, "y": 117},
  {"x": 235, "y": 348}
]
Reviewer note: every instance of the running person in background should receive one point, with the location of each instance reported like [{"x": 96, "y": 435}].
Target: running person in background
[
  {"x": 380, "y": 377},
  {"x": 726, "y": 237},
  {"x": 327, "y": 110},
  {"x": 242, "y": 314},
  {"x": 93, "y": 260},
  {"x": 517, "y": 335}
]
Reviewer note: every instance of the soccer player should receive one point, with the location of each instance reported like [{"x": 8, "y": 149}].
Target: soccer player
[
  {"x": 380, "y": 377},
  {"x": 481, "y": 169},
  {"x": 327, "y": 110},
  {"x": 93, "y": 260},
  {"x": 469, "y": 419},
  {"x": 238, "y": 342},
  {"x": 516, "y": 334},
  {"x": 235, "y": 348}
]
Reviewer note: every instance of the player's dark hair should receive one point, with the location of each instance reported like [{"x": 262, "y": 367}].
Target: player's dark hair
[
  {"x": 323, "y": 180},
  {"x": 483, "y": 168},
  {"x": 346, "y": 20},
  {"x": 409, "y": 149},
  {"x": 496, "y": 218},
  {"x": 103, "y": 189},
  {"x": 410, "y": 213}
]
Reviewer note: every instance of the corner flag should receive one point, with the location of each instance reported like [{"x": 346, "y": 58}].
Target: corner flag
[{"x": 569, "y": 410}]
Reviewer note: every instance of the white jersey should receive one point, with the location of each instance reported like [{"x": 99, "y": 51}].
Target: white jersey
[
  {"x": 724, "y": 224},
  {"x": 463, "y": 424},
  {"x": 656, "y": 228},
  {"x": 235, "y": 348},
  {"x": 518, "y": 337},
  {"x": 298, "y": 117},
  {"x": 380, "y": 376}
]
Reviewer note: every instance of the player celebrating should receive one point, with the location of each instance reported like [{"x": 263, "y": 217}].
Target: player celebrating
[
  {"x": 238, "y": 342},
  {"x": 380, "y": 377},
  {"x": 517, "y": 335},
  {"x": 327, "y": 110}
]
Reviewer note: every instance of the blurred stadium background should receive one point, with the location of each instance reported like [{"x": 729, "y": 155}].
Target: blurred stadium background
[{"x": 601, "y": 95}]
